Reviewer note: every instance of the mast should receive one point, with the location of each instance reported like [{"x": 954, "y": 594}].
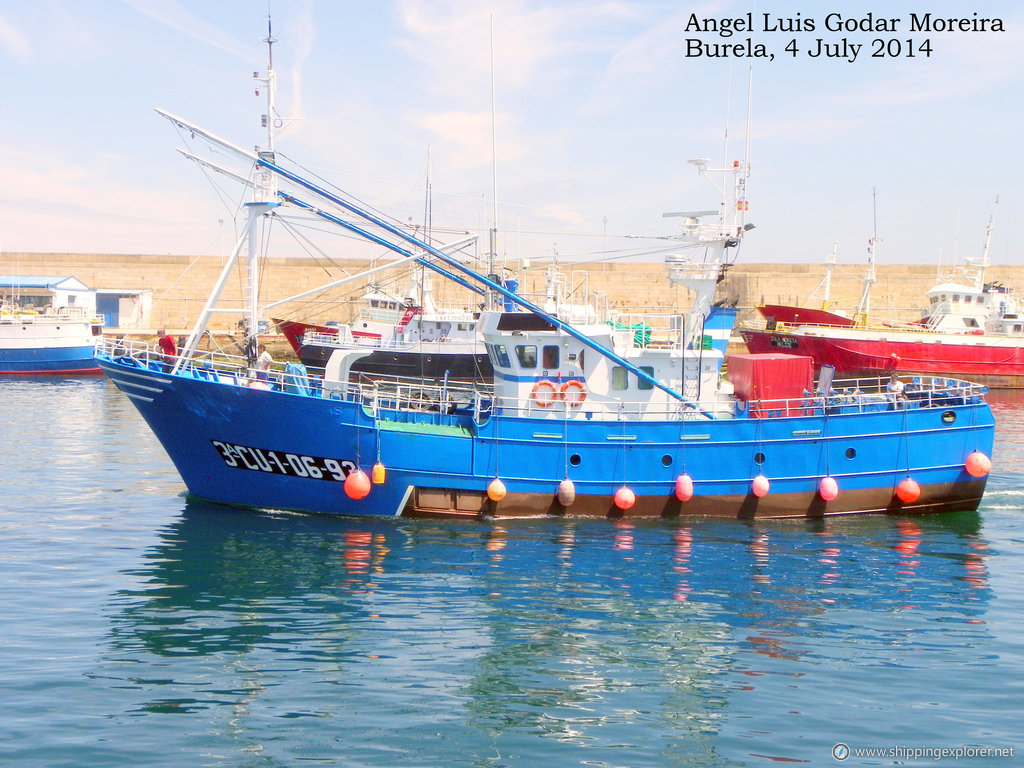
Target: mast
[
  {"x": 492, "y": 255},
  {"x": 979, "y": 280},
  {"x": 825, "y": 286},
  {"x": 270, "y": 119},
  {"x": 264, "y": 196},
  {"x": 425, "y": 296},
  {"x": 860, "y": 317},
  {"x": 703, "y": 278},
  {"x": 264, "y": 199}
]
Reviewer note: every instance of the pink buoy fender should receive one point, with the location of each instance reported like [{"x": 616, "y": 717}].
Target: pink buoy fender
[
  {"x": 496, "y": 490},
  {"x": 566, "y": 492},
  {"x": 624, "y": 498},
  {"x": 357, "y": 485},
  {"x": 908, "y": 490},
  {"x": 828, "y": 488},
  {"x": 978, "y": 464},
  {"x": 759, "y": 486},
  {"x": 684, "y": 487}
]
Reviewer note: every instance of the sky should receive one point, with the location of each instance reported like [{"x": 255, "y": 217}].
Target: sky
[{"x": 597, "y": 107}]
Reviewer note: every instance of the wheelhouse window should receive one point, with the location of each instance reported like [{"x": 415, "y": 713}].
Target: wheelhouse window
[
  {"x": 551, "y": 356},
  {"x": 499, "y": 355},
  {"x": 620, "y": 378},
  {"x": 527, "y": 355},
  {"x": 649, "y": 370}
]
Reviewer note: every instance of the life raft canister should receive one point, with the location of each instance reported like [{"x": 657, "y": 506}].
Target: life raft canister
[
  {"x": 544, "y": 393},
  {"x": 574, "y": 392}
]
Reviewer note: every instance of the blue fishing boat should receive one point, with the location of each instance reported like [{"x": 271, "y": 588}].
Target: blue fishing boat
[
  {"x": 43, "y": 331},
  {"x": 635, "y": 417}
]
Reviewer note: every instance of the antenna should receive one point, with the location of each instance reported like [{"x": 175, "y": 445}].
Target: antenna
[
  {"x": 493, "y": 255},
  {"x": 983, "y": 265},
  {"x": 270, "y": 119},
  {"x": 860, "y": 317},
  {"x": 493, "y": 246}
]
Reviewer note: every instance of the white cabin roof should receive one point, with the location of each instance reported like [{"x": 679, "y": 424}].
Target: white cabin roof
[{"x": 49, "y": 282}]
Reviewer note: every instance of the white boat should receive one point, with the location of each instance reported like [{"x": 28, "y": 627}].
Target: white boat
[{"x": 39, "y": 333}]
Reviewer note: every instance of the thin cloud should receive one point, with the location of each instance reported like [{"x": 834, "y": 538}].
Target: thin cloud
[
  {"x": 14, "y": 42},
  {"x": 304, "y": 31},
  {"x": 173, "y": 15},
  {"x": 453, "y": 42}
]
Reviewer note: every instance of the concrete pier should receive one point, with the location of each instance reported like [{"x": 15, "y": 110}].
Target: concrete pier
[{"x": 180, "y": 285}]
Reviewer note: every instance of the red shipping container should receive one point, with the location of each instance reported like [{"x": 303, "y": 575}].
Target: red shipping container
[{"x": 772, "y": 377}]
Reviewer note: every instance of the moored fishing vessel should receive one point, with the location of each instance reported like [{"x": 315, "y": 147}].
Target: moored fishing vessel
[
  {"x": 631, "y": 418},
  {"x": 39, "y": 338},
  {"x": 970, "y": 328},
  {"x": 809, "y": 314},
  {"x": 404, "y": 332},
  {"x": 415, "y": 337}
]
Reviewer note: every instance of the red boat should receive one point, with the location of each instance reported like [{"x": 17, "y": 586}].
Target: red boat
[
  {"x": 294, "y": 331},
  {"x": 783, "y": 313},
  {"x": 990, "y": 359},
  {"x": 972, "y": 330}
]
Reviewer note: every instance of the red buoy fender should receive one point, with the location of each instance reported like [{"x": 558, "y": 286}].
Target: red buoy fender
[
  {"x": 624, "y": 498},
  {"x": 908, "y": 490},
  {"x": 357, "y": 485},
  {"x": 978, "y": 464}
]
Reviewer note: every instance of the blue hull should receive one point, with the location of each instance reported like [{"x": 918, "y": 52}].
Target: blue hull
[
  {"x": 272, "y": 449},
  {"x": 49, "y": 360}
]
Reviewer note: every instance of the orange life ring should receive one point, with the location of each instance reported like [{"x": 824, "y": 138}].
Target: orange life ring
[
  {"x": 545, "y": 393},
  {"x": 574, "y": 392}
]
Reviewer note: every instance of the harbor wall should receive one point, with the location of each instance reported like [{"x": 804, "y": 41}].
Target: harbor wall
[{"x": 180, "y": 285}]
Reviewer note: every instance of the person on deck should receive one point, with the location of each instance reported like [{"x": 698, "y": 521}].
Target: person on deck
[
  {"x": 167, "y": 347},
  {"x": 896, "y": 388},
  {"x": 263, "y": 362}
]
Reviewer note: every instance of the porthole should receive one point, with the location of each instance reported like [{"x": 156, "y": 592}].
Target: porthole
[
  {"x": 851, "y": 453},
  {"x": 666, "y": 460},
  {"x": 948, "y": 417},
  {"x": 575, "y": 460},
  {"x": 759, "y": 458}
]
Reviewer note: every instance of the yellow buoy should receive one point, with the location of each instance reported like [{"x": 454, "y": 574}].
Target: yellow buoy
[{"x": 378, "y": 473}]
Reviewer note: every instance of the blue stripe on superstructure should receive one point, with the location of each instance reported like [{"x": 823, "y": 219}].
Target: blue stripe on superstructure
[{"x": 718, "y": 326}]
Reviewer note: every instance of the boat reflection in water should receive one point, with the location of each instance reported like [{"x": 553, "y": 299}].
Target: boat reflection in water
[{"x": 553, "y": 634}]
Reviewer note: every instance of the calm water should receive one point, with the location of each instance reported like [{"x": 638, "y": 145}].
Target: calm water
[{"x": 144, "y": 629}]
